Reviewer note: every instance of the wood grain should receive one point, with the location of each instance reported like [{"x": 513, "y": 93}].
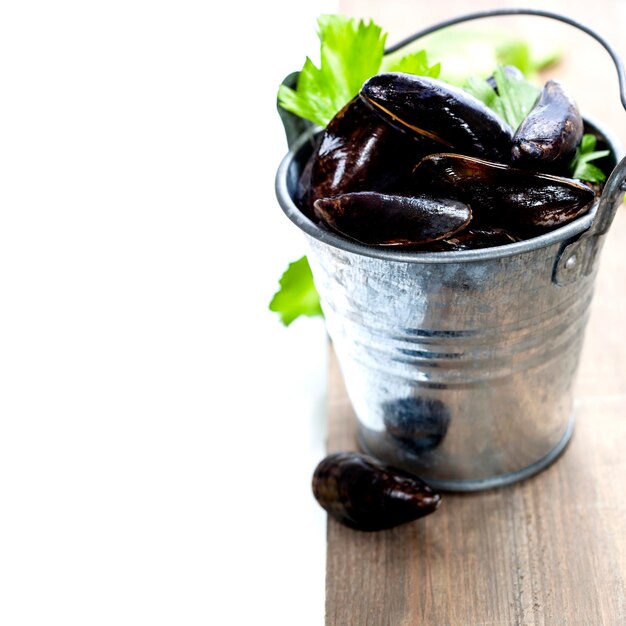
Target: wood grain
[{"x": 548, "y": 551}]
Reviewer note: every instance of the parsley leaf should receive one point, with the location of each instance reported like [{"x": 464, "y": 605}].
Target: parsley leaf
[
  {"x": 350, "y": 52},
  {"x": 581, "y": 167},
  {"x": 297, "y": 294}
]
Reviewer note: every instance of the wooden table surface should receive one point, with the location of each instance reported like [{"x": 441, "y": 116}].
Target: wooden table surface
[{"x": 549, "y": 550}]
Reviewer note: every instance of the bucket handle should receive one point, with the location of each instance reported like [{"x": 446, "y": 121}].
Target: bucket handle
[{"x": 575, "y": 258}]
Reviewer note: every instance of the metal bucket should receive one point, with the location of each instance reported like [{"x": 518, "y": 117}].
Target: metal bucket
[{"x": 459, "y": 365}]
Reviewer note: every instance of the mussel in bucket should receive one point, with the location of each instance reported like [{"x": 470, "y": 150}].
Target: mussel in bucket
[
  {"x": 451, "y": 117},
  {"x": 360, "y": 151},
  {"x": 393, "y": 220},
  {"x": 502, "y": 195},
  {"x": 547, "y": 138},
  {"x": 416, "y": 163}
]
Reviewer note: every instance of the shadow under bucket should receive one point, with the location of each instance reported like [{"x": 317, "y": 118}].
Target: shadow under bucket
[{"x": 460, "y": 365}]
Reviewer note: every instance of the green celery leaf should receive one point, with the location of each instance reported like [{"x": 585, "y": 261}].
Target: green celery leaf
[
  {"x": 313, "y": 108},
  {"x": 581, "y": 168},
  {"x": 516, "y": 52},
  {"x": 588, "y": 143},
  {"x": 590, "y": 173},
  {"x": 294, "y": 125},
  {"x": 521, "y": 54},
  {"x": 414, "y": 63},
  {"x": 468, "y": 49},
  {"x": 297, "y": 294},
  {"x": 350, "y": 52},
  {"x": 516, "y": 97},
  {"x": 513, "y": 100},
  {"x": 482, "y": 90}
]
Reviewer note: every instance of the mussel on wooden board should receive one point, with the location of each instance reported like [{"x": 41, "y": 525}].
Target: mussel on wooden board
[
  {"x": 392, "y": 220},
  {"x": 501, "y": 195},
  {"x": 364, "y": 494}
]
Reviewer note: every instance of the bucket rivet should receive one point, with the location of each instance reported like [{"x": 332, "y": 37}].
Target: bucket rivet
[
  {"x": 570, "y": 262},
  {"x": 622, "y": 187}
]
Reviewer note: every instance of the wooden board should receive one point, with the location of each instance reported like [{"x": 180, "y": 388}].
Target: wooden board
[{"x": 550, "y": 550}]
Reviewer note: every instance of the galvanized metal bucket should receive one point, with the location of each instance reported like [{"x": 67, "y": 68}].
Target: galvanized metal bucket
[{"x": 460, "y": 365}]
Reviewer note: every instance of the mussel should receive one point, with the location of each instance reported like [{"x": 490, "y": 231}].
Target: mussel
[
  {"x": 445, "y": 114},
  {"x": 364, "y": 494},
  {"x": 501, "y": 195},
  {"x": 392, "y": 220},
  {"x": 359, "y": 151},
  {"x": 547, "y": 138}
]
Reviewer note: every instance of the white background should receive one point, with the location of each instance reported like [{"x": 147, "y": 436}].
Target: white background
[{"x": 158, "y": 427}]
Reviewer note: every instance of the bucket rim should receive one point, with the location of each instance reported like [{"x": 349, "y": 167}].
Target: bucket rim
[{"x": 564, "y": 233}]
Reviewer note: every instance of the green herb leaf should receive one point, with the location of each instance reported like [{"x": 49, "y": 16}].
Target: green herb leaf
[
  {"x": 414, "y": 63},
  {"x": 581, "y": 167},
  {"x": 516, "y": 96},
  {"x": 350, "y": 52},
  {"x": 466, "y": 50},
  {"x": 518, "y": 52},
  {"x": 591, "y": 173},
  {"x": 588, "y": 143},
  {"x": 482, "y": 90},
  {"x": 514, "y": 99},
  {"x": 297, "y": 294},
  {"x": 294, "y": 125}
]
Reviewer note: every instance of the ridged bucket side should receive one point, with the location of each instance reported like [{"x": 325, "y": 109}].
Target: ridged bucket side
[{"x": 457, "y": 372}]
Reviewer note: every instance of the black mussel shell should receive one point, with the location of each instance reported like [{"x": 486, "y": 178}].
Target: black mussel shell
[
  {"x": 453, "y": 118},
  {"x": 303, "y": 186},
  {"x": 364, "y": 494},
  {"x": 504, "y": 196},
  {"x": 359, "y": 151},
  {"x": 546, "y": 140},
  {"x": 419, "y": 423},
  {"x": 392, "y": 220}
]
